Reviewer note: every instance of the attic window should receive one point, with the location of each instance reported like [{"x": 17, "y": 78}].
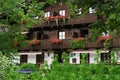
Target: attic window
[
  {"x": 62, "y": 12},
  {"x": 78, "y": 11},
  {"x": 47, "y": 14},
  {"x": 91, "y": 10}
]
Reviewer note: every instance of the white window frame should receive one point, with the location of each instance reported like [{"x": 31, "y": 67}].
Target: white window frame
[
  {"x": 92, "y": 10},
  {"x": 62, "y": 35},
  {"x": 106, "y": 33},
  {"x": 47, "y": 14},
  {"x": 79, "y": 11},
  {"x": 62, "y": 12}
]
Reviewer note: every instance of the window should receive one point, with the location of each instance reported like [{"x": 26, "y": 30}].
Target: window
[
  {"x": 23, "y": 59},
  {"x": 62, "y": 12},
  {"x": 91, "y": 10},
  {"x": 62, "y": 35},
  {"x": 106, "y": 33},
  {"x": 78, "y": 11},
  {"x": 105, "y": 57},
  {"x": 86, "y": 58},
  {"x": 83, "y": 32},
  {"x": 47, "y": 14},
  {"x": 74, "y": 60},
  {"x": 75, "y": 35},
  {"x": 39, "y": 59}
]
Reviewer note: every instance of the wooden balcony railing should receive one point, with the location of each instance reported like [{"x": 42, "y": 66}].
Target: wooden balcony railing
[
  {"x": 66, "y": 44},
  {"x": 89, "y": 18}
]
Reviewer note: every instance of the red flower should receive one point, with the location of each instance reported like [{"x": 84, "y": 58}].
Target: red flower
[
  {"x": 58, "y": 17},
  {"x": 103, "y": 38},
  {"x": 56, "y": 41},
  {"x": 34, "y": 41},
  {"x": 64, "y": 16}
]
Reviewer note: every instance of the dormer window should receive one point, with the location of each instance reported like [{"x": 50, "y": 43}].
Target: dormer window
[
  {"x": 62, "y": 12},
  {"x": 91, "y": 10},
  {"x": 47, "y": 14}
]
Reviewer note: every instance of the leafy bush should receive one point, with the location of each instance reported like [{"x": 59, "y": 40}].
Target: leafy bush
[
  {"x": 29, "y": 66},
  {"x": 78, "y": 44}
]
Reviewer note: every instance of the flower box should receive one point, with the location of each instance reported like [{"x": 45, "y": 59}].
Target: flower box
[
  {"x": 34, "y": 41},
  {"x": 51, "y": 18},
  {"x": 103, "y": 38},
  {"x": 56, "y": 41},
  {"x": 80, "y": 38}
]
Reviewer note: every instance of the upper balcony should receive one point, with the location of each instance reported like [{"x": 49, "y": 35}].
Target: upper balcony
[
  {"x": 51, "y": 44},
  {"x": 66, "y": 20}
]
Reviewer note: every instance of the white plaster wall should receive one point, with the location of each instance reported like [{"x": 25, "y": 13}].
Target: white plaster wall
[
  {"x": 48, "y": 57},
  {"x": 117, "y": 55},
  {"x": 77, "y": 56},
  {"x": 16, "y": 59},
  {"x": 32, "y": 58},
  {"x": 92, "y": 57}
]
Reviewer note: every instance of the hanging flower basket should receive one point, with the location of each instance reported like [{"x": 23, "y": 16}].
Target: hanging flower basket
[
  {"x": 56, "y": 41},
  {"x": 34, "y": 41}
]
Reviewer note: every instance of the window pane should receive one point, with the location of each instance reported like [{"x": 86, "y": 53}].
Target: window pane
[
  {"x": 47, "y": 14},
  {"x": 91, "y": 10},
  {"x": 62, "y": 12}
]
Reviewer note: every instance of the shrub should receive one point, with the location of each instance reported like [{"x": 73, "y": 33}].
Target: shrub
[{"x": 29, "y": 66}]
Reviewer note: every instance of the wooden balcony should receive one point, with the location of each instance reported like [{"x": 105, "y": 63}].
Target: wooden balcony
[
  {"x": 66, "y": 44},
  {"x": 89, "y": 18}
]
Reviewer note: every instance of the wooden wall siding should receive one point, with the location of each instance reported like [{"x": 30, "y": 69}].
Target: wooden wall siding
[
  {"x": 52, "y": 34},
  {"x": 68, "y": 33},
  {"x": 45, "y": 44}
]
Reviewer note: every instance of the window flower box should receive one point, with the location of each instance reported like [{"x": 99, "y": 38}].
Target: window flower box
[
  {"x": 34, "y": 41},
  {"x": 78, "y": 43},
  {"x": 56, "y": 41},
  {"x": 80, "y": 38},
  {"x": 103, "y": 38},
  {"x": 51, "y": 18}
]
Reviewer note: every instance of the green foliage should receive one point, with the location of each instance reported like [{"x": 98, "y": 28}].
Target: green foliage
[
  {"x": 29, "y": 66},
  {"x": 78, "y": 44}
]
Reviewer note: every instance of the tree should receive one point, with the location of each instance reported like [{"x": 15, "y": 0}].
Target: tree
[
  {"x": 107, "y": 12},
  {"x": 17, "y": 16}
]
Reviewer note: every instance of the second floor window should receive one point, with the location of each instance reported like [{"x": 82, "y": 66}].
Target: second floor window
[
  {"x": 92, "y": 10},
  {"x": 47, "y": 14},
  {"x": 83, "y": 32},
  {"x": 62, "y": 35},
  {"x": 62, "y": 12}
]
